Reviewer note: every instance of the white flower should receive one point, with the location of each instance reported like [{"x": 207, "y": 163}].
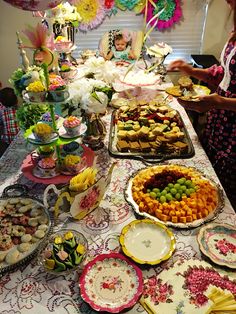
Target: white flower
[
  {"x": 159, "y": 50},
  {"x": 92, "y": 105}
]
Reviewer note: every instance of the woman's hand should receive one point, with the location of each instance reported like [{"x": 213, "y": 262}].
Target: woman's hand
[
  {"x": 202, "y": 103},
  {"x": 180, "y": 65}
]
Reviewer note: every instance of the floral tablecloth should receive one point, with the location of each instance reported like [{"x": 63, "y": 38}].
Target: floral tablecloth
[{"x": 29, "y": 289}]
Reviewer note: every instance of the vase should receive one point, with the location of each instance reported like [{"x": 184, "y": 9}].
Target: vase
[{"x": 96, "y": 130}]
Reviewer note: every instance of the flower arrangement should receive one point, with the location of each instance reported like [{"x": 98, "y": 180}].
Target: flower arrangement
[
  {"x": 64, "y": 13},
  {"x": 36, "y": 87},
  {"x": 20, "y": 79}
]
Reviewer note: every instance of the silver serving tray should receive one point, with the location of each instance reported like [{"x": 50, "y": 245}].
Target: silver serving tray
[
  {"x": 196, "y": 223},
  {"x": 150, "y": 156}
]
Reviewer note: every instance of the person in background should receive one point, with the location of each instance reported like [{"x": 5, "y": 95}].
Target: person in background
[
  {"x": 121, "y": 50},
  {"x": 219, "y": 138},
  {"x": 8, "y": 125}
]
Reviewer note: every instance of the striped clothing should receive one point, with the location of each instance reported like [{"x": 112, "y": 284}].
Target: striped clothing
[{"x": 8, "y": 124}]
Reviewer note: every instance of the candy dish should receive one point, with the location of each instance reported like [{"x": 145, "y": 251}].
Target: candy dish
[
  {"x": 147, "y": 241},
  {"x": 81, "y": 130},
  {"x": 218, "y": 242},
  {"x": 65, "y": 251},
  {"x": 111, "y": 283}
]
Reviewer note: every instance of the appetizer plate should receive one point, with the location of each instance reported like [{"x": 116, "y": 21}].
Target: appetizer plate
[
  {"x": 218, "y": 242},
  {"x": 147, "y": 241},
  {"x": 198, "y": 90},
  {"x": 182, "y": 225},
  {"x": 31, "y": 138},
  {"x": 30, "y": 225},
  {"x": 111, "y": 283},
  {"x": 64, "y": 134}
]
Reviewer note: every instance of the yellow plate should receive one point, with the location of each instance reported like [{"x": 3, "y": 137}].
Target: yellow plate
[
  {"x": 198, "y": 90},
  {"x": 147, "y": 241}
]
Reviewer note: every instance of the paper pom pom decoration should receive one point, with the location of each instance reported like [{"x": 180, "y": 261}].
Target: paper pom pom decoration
[
  {"x": 92, "y": 13},
  {"x": 38, "y": 5},
  {"x": 171, "y": 14}
]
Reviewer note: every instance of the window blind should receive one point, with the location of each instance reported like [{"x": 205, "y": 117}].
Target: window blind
[{"x": 184, "y": 37}]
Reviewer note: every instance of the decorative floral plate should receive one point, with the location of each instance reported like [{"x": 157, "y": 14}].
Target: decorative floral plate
[
  {"x": 31, "y": 138},
  {"x": 64, "y": 134},
  {"x": 187, "y": 288},
  {"x": 111, "y": 283},
  {"x": 147, "y": 241},
  {"x": 218, "y": 242}
]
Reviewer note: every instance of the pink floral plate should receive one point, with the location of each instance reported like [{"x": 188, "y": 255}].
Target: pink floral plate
[
  {"x": 111, "y": 283},
  {"x": 218, "y": 242}
]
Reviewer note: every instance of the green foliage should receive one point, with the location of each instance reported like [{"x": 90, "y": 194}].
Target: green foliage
[{"x": 29, "y": 114}]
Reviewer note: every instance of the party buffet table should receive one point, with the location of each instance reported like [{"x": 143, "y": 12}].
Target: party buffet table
[{"x": 30, "y": 289}]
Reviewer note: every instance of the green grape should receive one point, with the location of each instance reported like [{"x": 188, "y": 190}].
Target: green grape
[
  {"x": 191, "y": 190},
  {"x": 148, "y": 190},
  {"x": 173, "y": 191},
  {"x": 162, "y": 199},
  {"x": 169, "y": 197},
  {"x": 167, "y": 189},
  {"x": 164, "y": 192},
  {"x": 188, "y": 183},
  {"x": 156, "y": 190},
  {"x": 170, "y": 185},
  {"x": 177, "y": 186},
  {"x": 153, "y": 195},
  {"x": 183, "y": 188},
  {"x": 181, "y": 181},
  {"x": 178, "y": 196},
  {"x": 158, "y": 195},
  {"x": 188, "y": 192}
]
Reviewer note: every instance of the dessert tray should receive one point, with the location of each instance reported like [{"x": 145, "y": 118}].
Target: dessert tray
[
  {"x": 218, "y": 242},
  {"x": 33, "y": 140},
  {"x": 178, "y": 196},
  {"x": 156, "y": 139},
  {"x": 190, "y": 286},
  {"x": 188, "y": 95},
  {"x": 25, "y": 225},
  {"x": 64, "y": 134},
  {"x": 147, "y": 241},
  {"x": 111, "y": 283},
  {"x": 28, "y": 169}
]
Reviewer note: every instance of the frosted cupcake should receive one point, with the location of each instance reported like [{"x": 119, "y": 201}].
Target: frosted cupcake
[
  {"x": 72, "y": 125},
  {"x": 73, "y": 164},
  {"x": 43, "y": 132},
  {"x": 47, "y": 167},
  {"x": 46, "y": 118}
]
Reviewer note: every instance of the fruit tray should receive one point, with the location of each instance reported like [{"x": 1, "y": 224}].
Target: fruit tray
[{"x": 153, "y": 155}]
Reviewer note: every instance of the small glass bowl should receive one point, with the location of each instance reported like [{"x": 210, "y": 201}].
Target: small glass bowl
[{"x": 79, "y": 238}]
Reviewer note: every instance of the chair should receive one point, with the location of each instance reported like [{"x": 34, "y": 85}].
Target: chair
[{"x": 135, "y": 39}]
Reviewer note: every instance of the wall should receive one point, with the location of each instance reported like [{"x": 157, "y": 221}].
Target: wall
[{"x": 13, "y": 19}]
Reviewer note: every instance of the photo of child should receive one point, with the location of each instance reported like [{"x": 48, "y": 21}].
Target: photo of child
[{"x": 121, "y": 51}]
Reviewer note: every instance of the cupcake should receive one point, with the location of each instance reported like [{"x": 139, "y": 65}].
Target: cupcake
[
  {"x": 45, "y": 151},
  {"x": 47, "y": 166},
  {"x": 73, "y": 164},
  {"x": 72, "y": 148},
  {"x": 46, "y": 118},
  {"x": 43, "y": 132},
  {"x": 72, "y": 125}
]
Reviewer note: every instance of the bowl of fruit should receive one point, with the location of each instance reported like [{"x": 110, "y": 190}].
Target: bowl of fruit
[{"x": 65, "y": 251}]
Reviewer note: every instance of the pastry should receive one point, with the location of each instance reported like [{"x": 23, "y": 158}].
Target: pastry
[
  {"x": 122, "y": 146},
  {"x": 72, "y": 125}
]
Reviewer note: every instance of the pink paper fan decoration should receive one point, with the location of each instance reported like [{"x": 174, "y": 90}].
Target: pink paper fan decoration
[{"x": 34, "y": 5}]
